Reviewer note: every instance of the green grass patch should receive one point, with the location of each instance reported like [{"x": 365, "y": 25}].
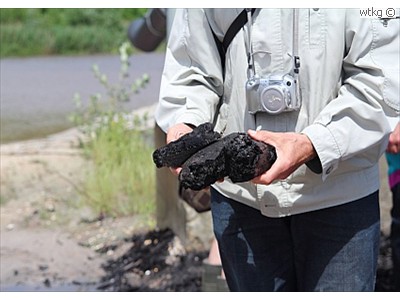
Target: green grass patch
[
  {"x": 31, "y": 32},
  {"x": 122, "y": 181}
]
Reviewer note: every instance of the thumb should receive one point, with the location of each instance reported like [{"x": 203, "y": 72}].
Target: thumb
[
  {"x": 253, "y": 134},
  {"x": 261, "y": 135}
]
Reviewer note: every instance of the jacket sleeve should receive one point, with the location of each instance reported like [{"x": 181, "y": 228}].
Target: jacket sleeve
[
  {"x": 191, "y": 83},
  {"x": 359, "y": 120}
]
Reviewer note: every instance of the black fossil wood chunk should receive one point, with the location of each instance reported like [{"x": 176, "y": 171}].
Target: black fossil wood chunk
[
  {"x": 246, "y": 158},
  {"x": 174, "y": 154},
  {"x": 204, "y": 167},
  {"x": 236, "y": 155}
]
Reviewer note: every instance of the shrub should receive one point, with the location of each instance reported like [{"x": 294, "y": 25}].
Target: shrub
[
  {"x": 122, "y": 181},
  {"x": 25, "y": 32}
]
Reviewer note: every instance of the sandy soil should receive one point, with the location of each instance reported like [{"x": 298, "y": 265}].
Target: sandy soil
[{"x": 49, "y": 241}]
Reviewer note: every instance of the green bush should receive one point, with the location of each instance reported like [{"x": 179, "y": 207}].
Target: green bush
[
  {"x": 13, "y": 15},
  {"x": 25, "y": 32},
  {"x": 84, "y": 39},
  {"x": 122, "y": 181},
  {"x": 18, "y": 40}
]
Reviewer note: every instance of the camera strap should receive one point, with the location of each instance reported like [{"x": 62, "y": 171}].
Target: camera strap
[
  {"x": 233, "y": 29},
  {"x": 296, "y": 56},
  {"x": 223, "y": 46}
]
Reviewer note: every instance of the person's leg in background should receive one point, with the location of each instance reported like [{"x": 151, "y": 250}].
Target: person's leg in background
[
  {"x": 395, "y": 236},
  {"x": 393, "y": 161},
  {"x": 213, "y": 277}
]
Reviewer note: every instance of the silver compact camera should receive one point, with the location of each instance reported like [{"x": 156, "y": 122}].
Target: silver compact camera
[{"x": 273, "y": 94}]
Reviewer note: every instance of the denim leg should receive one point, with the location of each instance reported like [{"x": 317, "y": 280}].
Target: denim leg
[
  {"x": 395, "y": 236},
  {"x": 256, "y": 251},
  {"x": 337, "y": 248},
  {"x": 333, "y": 249}
]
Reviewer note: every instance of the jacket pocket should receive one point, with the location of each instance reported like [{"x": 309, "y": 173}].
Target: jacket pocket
[
  {"x": 316, "y": 28},
  {"x": 383, "y": 53}
]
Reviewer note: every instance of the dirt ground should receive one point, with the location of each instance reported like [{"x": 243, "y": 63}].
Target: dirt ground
[{"x": 50, "y": 242}]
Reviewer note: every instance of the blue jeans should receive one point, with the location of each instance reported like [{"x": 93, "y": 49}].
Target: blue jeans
[
  {"x": 395, "y": 236},
  {"x": 333, "y": 249}
]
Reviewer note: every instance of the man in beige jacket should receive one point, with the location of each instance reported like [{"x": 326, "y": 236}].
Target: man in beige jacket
[{"x": 322, "y": 86}]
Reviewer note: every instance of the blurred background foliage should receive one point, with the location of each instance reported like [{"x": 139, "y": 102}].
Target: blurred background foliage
[
  {"x": 63, "y": 31},
  {"x": 122, "y": 176}
]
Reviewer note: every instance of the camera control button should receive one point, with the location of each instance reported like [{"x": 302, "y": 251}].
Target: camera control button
[{"x": 329, "y": 170}]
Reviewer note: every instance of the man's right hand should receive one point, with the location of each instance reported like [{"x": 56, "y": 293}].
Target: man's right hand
[{"x": 174, "y": 133}]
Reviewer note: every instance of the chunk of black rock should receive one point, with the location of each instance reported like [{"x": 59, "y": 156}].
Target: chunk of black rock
[
  {"x": 175, "y": 153},
  {"x": 236, "y": 155},
  {"x": 246, "y": 158},
  {"x": 204, "y": 167}
]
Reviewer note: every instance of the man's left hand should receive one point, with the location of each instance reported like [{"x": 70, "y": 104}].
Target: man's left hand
[{"x": 292, "y": 150}]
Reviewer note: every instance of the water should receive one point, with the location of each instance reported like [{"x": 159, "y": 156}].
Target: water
[{"x": 37, "y": 93}]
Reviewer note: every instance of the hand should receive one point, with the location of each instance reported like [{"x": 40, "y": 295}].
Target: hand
[
  {"x": 394, "y": 141},
  {"x": 292, "y": 150},
  {"x": 174, "y": 133}
]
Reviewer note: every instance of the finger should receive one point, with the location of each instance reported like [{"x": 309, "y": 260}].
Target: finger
[
  {"x": 254, "y": 134},
  {"x": 393, "y": 148},
  {"x": 262, "y": 135},
  {"x": 264, "y": 179},
  {"x": 175, "y": 171},
  {"x": 261, "y": 180},
  {"x": 175, "y": 132},
  {"x": 175, "y": 136},
  {"x": 268, "y": 177}
]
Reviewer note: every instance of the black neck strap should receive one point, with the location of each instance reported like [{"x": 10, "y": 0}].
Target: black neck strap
[{"x": 238, "y": 23}]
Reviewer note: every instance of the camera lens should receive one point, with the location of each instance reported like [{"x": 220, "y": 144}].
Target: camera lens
[{"x": 272, "y": 99}]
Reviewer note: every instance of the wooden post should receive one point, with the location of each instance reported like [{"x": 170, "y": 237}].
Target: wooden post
[
  {"x": 191, "y": 227},
  {"x": 170, "y": 210}
]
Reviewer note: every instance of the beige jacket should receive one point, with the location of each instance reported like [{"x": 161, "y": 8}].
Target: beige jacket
[{"x": 349, "y": 82}]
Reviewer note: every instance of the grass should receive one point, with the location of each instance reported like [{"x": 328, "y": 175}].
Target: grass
[
  {"x": 32, "y": 32},
  {"x": 122, "y": 181}
]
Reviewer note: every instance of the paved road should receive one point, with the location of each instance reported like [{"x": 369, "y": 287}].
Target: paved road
[{"x": 36, "y": 93}]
